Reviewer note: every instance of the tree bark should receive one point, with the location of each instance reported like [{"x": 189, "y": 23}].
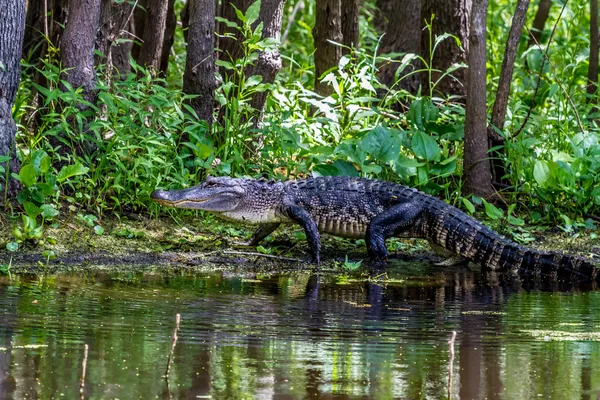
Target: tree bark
[
  {"x": 350, "y": 10},
  {"x": 477, "y": 173},
  {"x": 115, "y": 24},
  {"x": 383, "y": 13},
  {"x": 328, "y": 27},
  {"x": 539, "y": 22},
  {"x": 269, "y": 61},
  {"x": 451, "y": 16},
  {"x": 12, "y": 30},
  {"x": 169, "y": 37},
  {"x": 77, "y": 47},
  {"x": 501, "y": 102},
  {"x": 199, "y": 76},
  {"x": 592, "y": 86},
  {"x": 151, "y": 51},
  {"x": 140, "y": 15},
  {"x": 403, "y": 35}
]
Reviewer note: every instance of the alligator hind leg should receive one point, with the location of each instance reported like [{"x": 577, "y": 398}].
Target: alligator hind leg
[
  {"x": 262, "y": 232},
  {"x": 398, "y": 219}
]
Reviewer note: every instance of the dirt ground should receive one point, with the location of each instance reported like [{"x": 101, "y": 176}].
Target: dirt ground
[{"x": 202, "y": 243}]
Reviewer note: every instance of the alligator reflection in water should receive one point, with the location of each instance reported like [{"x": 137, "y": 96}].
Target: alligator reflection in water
[{"x": 296, "y": 336}]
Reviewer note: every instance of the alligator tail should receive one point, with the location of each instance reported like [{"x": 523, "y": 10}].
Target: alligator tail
[
  {"x": 558, "y": 265},
  {"x": 476, "y": 242}
]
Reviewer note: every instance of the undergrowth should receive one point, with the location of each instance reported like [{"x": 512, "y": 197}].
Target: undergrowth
[{"x": 90, "y": 159}]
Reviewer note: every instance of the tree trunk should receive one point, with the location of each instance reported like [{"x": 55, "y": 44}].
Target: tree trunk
[
  {"x": 539, "y": 22},
  {"x": 140, "y": 15},
  {"x": 477, "y": 173},
  {"x": 169, "y": 37},
  {"x": 403, "y": 35},
  {"x": 501, "y": 103},
  {"x": 230, "y": 39},
  {"x": 349, "y": 24},
  {"x": 154, "y": 34},
  {"x": 199, "y": 77},
  {"x": 12, "y": 30},
  {"x": 269, "y": 62},
  {"x": 451, "y": 16},
  {"x": 77, "y": 47},
  {"x": 328, "y": 27},
  {"x": 592, "y": 86},
  {"x": 115, "y": 24}
]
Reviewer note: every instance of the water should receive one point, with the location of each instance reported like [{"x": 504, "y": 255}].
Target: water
[{"x": 297, "y": 336}]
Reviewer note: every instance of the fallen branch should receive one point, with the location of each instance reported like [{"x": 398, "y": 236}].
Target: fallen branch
[
  {"x": 250, "y": 253},
  {"x": 84, "y": 365}
]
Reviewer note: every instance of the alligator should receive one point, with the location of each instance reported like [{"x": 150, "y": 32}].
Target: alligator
[{"x": 368, "y": 209}]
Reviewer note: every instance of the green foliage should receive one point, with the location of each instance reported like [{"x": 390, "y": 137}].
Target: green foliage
[{"x": 140, "y": 133}]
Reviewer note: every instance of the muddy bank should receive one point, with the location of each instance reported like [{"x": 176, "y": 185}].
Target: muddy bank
[{"x": 206, "y": 244}]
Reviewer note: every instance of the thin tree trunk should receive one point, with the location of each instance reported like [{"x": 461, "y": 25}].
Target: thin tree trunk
[
  {"x": 12, "y": 30},
  {"x": 169, "y": 37},
  {"x": 501, "y": 103},
  {"x": 539, "y": 22},
  {"x": 451, "y": 16},
  {"x": 77, "y": 47},
  {"x": 477, "y": 173},
  {"x": 269, "y": 62},
  {"x": 115, "y": 24},
  {"x": 350, "y": 10},
  {"x": 154, "y": 34},
  {"x": 199, "y": 77},
  {"x": 592, "y": 86},
  {"x": 328, "y": 28},
  {"x": 45, "y": 19},
  {"x": 36, "y": 25},
  {"x": 403, "y": 35}
]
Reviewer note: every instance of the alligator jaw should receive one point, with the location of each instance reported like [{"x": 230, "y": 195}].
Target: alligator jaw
[{"x": 199, "y": 198}]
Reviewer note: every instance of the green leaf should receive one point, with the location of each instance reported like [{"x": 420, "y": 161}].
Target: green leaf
[
  {"x": 48, "y": 211},
  {"x": 492, "y": 211},
  {"x": 381, "y": 143},
  {"x": 345, "y": 168},
  {"x": 541, "y": 171},
  {"x": 468, "y": 205},
  {"x": 515, "y": 221},
  {"x": 31, "y": 209},
  {"x": 253, "y": 12},
  {"x": 12, "y": 246},
  {"x": 27, "y": 175},
  {"x": 71, "y": 170},
  {"x": 424, "y": 146},
  {"x": 99, "y": 230}
]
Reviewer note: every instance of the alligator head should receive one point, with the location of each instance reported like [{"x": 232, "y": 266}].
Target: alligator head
[
  {"x": 216, "y": 194},
  {"x": 238, "y": 199}
]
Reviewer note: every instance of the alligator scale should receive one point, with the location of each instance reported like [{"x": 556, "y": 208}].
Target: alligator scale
[{"x": 367, "y": 209}]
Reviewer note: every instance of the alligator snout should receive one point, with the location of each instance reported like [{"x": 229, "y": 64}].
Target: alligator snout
[{"x": 159, "y": 195}]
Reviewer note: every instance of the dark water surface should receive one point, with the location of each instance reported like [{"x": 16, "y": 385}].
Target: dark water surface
[{"x": 298, "y": 335}]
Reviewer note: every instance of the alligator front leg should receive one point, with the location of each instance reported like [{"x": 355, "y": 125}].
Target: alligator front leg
[
  {"x": 300, "y": 216},
  {"x": 393, "y": 221},
  {"x": 262, "y": 232}
]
